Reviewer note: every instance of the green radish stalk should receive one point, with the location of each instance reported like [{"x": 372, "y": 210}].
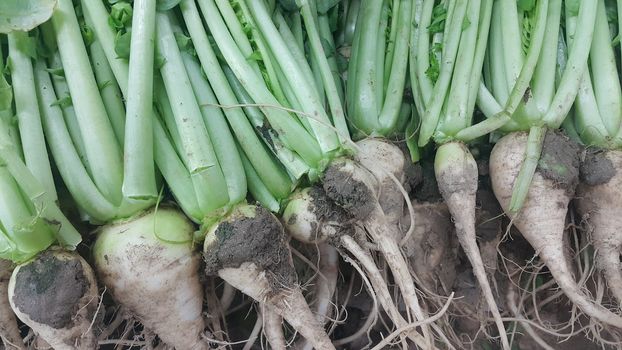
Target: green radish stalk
[
  {"x": 52, "y": 291},
  {"x": 248, "y": 250},
  {"x": 9, "y": 333},
  {"x": 99, "y": 185},
  {"x": 56, "y": 295},
  {"x": 546, "y": 204},
  {"x": 447, "y": 62},
  {"x": 158, "y": 244}
]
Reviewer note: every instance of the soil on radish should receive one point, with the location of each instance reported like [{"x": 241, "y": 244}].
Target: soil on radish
[
  {"x": 328, "y": 213},
  {"x": 596, "y": 169},
  {"x": 560, "y": 161},
  {"x": 42, "y": 293},
  {"x": 260, "y": 240},
  {"x": 351, "y": 194}
]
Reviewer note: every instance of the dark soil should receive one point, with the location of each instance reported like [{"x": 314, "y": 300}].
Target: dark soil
[
  {"x": 48, "y": 290},
  {"x": 596, "y": 169},
  {"x": 259, "y": 240},
  {"x": 413, "y": 172},
  {"x": 560, "y": 161},
  {"x": 329, "y": 213},
  {"x": 427, "y": 188},
  {"x": 349, "y": 193}
]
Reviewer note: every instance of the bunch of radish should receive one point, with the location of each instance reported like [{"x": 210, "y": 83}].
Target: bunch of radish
[{"x": 260, "y": 142}]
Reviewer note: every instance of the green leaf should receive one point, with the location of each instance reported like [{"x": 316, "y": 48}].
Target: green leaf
[
  {"x": 183, "y": 41},
  {"x": 439, "y": 15},
  {"x": 120, "y": 15},
  {"x": 6, "y": 94},
  {"x": 526, "y": 5},
  {"x": 573, "y": 6},
  {"x": 87, "y": 34},
  {"x": 27, "y": 45},
  {"x": 122, "y": 45},
  {"x": 164, "y": 5},
  {"x": 158, "y": 61},
  {"x": 255, "y": 56},
  {"x": 56, "y": 71},
  {"x": 24, "y": 15},
  {"x": 324, "y": 6},
  {"x": 63, "y": 102},
  {"x": 466, "y": 23}
]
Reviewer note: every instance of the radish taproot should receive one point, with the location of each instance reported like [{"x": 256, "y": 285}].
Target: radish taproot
[
  {"x": 248, "y": 250},
  {"x": 543, "y": 215},
  {"x": 9, "y": 333}
]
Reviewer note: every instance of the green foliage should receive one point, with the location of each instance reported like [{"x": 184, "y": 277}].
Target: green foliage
[{"x": 24, "y": 15}]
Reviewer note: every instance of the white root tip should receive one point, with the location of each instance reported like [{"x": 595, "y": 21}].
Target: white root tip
[
  {"x": 273, "y": 328},
  {"x": 287, "y": 302},
  {"x": 456, "y": 175},
  {"x": 552, "y": 256},
  {"x": 9, "y": 333}
]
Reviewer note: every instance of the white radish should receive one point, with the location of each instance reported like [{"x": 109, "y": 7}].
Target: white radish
[
  {"x": 9, "y": 333},
  {"x": 56, "y": 295},
  {"x": 248, "y": 250},
  {"x": 542, "y": 218},
  {"x": 386, "y": 162},
  {"x": 150, "y": 266},
  {"x": 599, "y": 202},
  {"x": 456, "y": 176},
  {"x": 273, "y": 328},
  {"x": 355, "y": 189},
  {"x": 312, "y": 217}
]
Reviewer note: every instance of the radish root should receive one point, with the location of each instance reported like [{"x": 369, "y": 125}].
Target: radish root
[
  {"x": 9, "y": 333},
  {"x": 542, "y": 218}
]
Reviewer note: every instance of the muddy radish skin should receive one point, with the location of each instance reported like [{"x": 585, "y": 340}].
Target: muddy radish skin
[
  {"x": 248, "y": 250},
  {"x": 154, "y": 275},
  {"x": 599, "y": 202},
  {"x": 311, "y": 217},
  {"x": 356, "y": 190},
  {"x": 542, "y": 218},
  {"x": 386, "y": 162},
  {"x": 56, "y": 295},
  {"x": 9, "y": 333}
]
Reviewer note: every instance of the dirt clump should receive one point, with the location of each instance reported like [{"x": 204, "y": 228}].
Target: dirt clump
[
  {"x": 559, "y": 161},
  {"x": 596, "y": 168},
  {"x": 259, "y": 239},
  {"x": 349, "y": 193},
  {"x": 48, "y": 290}
]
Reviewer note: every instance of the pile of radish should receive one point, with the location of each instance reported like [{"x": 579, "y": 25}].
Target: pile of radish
[{"x": 310, "y": 174}]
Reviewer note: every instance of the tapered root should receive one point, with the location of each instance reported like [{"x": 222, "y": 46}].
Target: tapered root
[
  {"x": 248, "y": 250},
  {"x": 599, "y": 202},
  {"x": 456, "y": 175},
  {"x": 9, "y": 333},
  {"x": 542, "y": 218},
  {"x": 288, "y": 303},
  {"x": 273, "y": 328}
]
